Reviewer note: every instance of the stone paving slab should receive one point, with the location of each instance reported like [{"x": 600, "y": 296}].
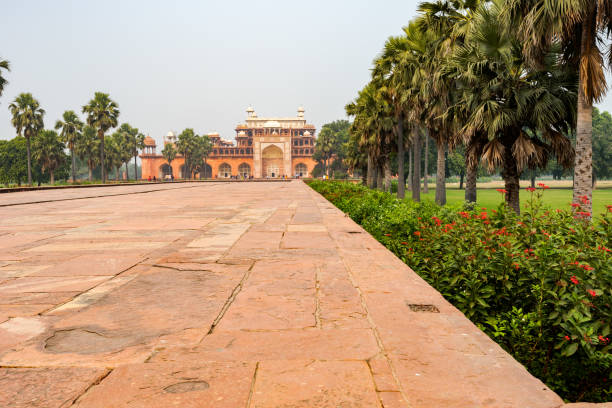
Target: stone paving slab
[{"x": 227, "y": 295}]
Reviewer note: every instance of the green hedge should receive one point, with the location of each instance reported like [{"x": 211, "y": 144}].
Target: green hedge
[{"x": 539, "y": 284}]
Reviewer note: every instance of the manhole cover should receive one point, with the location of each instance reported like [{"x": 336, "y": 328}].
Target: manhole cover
[
  {"x": 187, "y": 386},
  {"x": 423, "y": 308}
]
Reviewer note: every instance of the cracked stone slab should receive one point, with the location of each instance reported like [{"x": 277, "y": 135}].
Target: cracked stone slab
[
  {"x": 45, "y": 387},
  {"x": 316, "y": 344},
  {"x": 314, "y": 384},
  {"x": 152, "y": 385}
]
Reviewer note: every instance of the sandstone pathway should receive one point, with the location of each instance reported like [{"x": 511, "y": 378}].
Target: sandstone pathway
[{"x": 227, "y": 295}]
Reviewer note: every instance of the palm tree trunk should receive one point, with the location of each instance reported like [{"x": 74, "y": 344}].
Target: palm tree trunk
[
  {"x": 371, "y": 173},
  {"x": 440, "y": 174},
  {"x": 425, "y": 180},
  {"x": 387, "y": 174},
  {"x": 401, "y": 185},
  {"x": 416, "y": 173},
  {"x": 461, "y": 175},
  {"x": 135, "y": 168},
  {"x": 51, "y": 177},
  {"x": 205, "y": 167},
  {"x": 471, "y": 177},
  {"x": 89, "y": 168},
  {"x": 533, "y": 178},
  {"x": 583, "y": 165},
  {"x": 29, "y": 159},
  {"x": 73, "y": 164},
  {"x": 380, "y": 177},
  {"x": 510, "y": 175},
  {"x": 410, "y": 168},
  {"x": 102, "y": 169}
]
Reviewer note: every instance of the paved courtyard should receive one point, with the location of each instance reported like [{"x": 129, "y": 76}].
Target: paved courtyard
[{"x": 227, "y": 295}]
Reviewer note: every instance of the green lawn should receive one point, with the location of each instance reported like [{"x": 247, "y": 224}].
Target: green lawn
[{"x": 555, "y": 198}]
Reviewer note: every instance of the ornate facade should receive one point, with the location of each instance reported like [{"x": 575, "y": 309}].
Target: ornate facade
[{"x": 264, "y": 148}]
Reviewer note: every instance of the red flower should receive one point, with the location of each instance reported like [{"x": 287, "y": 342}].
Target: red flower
[
  {"x": 567, "y": 338},
  {"x": 387, "y": 235},
  {"x": 530, "y": 189},
  {"x": 404, "y": 243},
  {"x": 592, "y": 293},
  {"x": 574, "y": 280},
  {"x": 417, "y": 233},
  {"x": 603, "y": 340},
  {"x": 609, "y": 207},
  {"x": 575, "y": 205},
  {"x": 516, "y": 266},
  {"x": 501, "y": 190},
  {"x": 584, "y": 199}
]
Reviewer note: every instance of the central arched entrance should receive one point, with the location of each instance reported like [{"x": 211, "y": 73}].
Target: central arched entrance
[
  {"x": 207, "y": 173},
  {"x": 272, "y": 162}
]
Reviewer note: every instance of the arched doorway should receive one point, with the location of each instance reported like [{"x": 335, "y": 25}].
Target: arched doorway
[
  {"x": 272, "y": 162},
  {"x": 225, "y": 171},
  {"x": 244, "y": 170},
  {"x": 301, "y": 170},
  {"x": 207, "y": 173},
  {"x": 165, "y": 171}
]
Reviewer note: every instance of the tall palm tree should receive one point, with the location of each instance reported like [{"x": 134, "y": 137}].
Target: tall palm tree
[
  {"x": 102, "y": 113},
  {"x": 48, "y": 151},
  {"x": 4, "y": 65},
  {"x": 87, "y": 148},
  {"x": 523, "y": 112},
  {"x": 169, "y": 153},
  {"x": 579, "y": 26},
  {"x": 71, "y": 128},
  {"x": 28, "y": 121},
  {"x": 187, "y": 144}
]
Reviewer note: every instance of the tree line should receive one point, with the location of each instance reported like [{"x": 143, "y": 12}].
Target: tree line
[{"x": 512, "y": 82}]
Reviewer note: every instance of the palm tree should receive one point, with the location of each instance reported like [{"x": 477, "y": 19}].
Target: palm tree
[
  {"x": 4, "y": 65},
  {"x": 523, "y": 112},
  {"x": 187, "y": 145},
  {"x": 102, "y": 113},
  {"x": 28, "y": 121},
  {"x": 71, "y": 128},
  {"x": 48, "y": 151},
  {"x": 87, "y": 148},
  {"x": 169, "y": 153},
  {"x": 579, "y": 26},
  {"x": 113, "y": 155}
]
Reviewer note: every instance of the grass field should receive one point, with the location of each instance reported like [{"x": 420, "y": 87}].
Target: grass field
[{"x": 554, "y": 197}]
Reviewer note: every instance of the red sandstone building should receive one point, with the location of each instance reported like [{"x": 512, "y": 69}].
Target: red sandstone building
[{"x": 265, "y": 148}]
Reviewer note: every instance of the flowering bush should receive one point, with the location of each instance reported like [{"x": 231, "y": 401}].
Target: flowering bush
[{"x": 539, "y": 283}]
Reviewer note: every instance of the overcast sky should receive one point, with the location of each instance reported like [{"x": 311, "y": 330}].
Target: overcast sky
[{"x": 195, "y": 63}]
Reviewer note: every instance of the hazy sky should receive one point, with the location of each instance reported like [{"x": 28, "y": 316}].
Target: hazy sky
[{"x": 195, "y": 63}]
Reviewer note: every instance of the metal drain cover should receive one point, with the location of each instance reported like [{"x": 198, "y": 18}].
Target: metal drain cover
[{"x": 423, "y": 308}]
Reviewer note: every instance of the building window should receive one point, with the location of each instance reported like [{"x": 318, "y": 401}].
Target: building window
[
  {"x": 225, "y": 171},
  {"x": 301, "y": 170},
  {"x": 244, "y": 170},
  {"x": 214, "y": 151}
]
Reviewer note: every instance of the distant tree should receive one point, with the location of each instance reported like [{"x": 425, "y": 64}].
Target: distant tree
[
  {"x": 186, "y": 145},
  {"x": 48, "y": 151},
  {"x": 456, "y": 164},
  {"x": 330, "y": 146},
  {"x": 169, "y": 153},
  {"x": 102, "y": 113},
  {"x": 13, "y": 164},
  {"x": 113, "y": 153},
  {"x": 4, "y": 65},
  {"x": 134, "y": 141},
  {"x": 28, "y": 121},
  {"x": 88, "y": 148},
  {"x": 71, "y": 127},
  {"x": 602, "y": 145},
  {"x": 202, "y": 149}
]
